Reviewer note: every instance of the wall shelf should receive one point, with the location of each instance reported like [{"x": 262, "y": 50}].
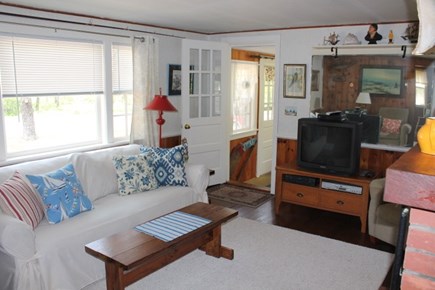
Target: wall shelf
[{"x": 363, "y": 49}]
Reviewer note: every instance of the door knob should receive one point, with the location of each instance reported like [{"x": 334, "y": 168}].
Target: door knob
[{"x": 186, "y": 126}]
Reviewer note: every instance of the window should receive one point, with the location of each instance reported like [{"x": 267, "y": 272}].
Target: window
[
  {"x": 420, "y": 87},
  {"x": 52, "y": 94},
  {"x": 244, "y": 87},
  {"x": 122, "y": 85}
]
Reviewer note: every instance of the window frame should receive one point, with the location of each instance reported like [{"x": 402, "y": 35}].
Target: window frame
[{"x": 106, "y": 110}]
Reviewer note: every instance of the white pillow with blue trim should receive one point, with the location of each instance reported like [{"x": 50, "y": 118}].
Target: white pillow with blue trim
[
  {"x": 135, "y": 174},
  {"x": 168, "y": 164},
  {"x": 61, "y": 193}
]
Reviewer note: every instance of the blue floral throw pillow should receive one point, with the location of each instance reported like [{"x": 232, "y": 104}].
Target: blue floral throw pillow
[
  {"x": 168, "y": 164},
  {"x": 135, "y": 174},
  {"x": 61, "y": 193}
]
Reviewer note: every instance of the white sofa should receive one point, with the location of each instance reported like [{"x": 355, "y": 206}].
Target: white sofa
[{"x": 52, "y": 256}]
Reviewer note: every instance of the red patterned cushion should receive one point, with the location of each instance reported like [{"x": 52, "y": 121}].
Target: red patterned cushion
[
  {"x": 19, "y": 199},
  {"x": 391, "y": 126}
]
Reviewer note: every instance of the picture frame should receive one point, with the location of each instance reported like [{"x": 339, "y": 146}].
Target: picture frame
[
  {"x": 295, "y": 80},
  {"x": 382, "y": 81},
  {"x": 174, "y": 80}
]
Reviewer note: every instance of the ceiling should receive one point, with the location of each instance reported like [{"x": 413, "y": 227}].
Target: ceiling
[{"x": 222, "y": 16}]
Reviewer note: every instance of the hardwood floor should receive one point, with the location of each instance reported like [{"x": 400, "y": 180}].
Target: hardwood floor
[{"x": 314, "y": 221}]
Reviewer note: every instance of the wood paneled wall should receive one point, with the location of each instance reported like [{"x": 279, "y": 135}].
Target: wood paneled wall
[
  {"x": 373, "y": 159},
  {"x": 243, "y": 164},
  {"x": 238, "y": 54},
  {"x": 168, "y": 142},
  {"x": 341, "y": 82}
]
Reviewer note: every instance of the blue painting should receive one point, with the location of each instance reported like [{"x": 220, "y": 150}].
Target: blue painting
[{"x": 381, "y": 81}]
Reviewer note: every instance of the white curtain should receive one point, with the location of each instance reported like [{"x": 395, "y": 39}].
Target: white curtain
[{"x": 145, "y": 85}]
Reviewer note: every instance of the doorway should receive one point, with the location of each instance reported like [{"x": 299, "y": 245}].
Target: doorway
[{"x": 251, "y": 150}]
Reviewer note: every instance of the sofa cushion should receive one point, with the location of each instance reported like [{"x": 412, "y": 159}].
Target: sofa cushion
[
  {"x": 19, "y": 199},
  {"x": 96, "y": 172},
  {"x": 61, "y": 193},
  {"x": 168, "y": 164},
  {"x": 135, "y": 174}
]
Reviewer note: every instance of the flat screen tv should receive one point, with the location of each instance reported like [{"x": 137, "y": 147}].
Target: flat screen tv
[{"x": 330, "y": 147}]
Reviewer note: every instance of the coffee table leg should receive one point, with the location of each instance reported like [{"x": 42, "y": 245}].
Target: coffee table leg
[
  {"x": 214, "y": 247},
  {"x": 114, "y": 277}
]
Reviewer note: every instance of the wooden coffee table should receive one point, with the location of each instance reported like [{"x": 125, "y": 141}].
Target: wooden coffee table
[{"x": 131, "y": 255}]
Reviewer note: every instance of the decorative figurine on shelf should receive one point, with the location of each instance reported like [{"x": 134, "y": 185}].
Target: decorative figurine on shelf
[
  {"x": 351, "y": 39},
  {"x": 332, "y": 39},
  {"x": 390, "y": 37},
  {"x": 372, "y": 35},
  {"x": 411, "y": 33}
]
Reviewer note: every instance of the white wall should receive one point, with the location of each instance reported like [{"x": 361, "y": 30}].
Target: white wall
[
  {"x": 296, "y": 48},
  {"x": 170, "y": 53},
  {"x": 170, "y": 45}
]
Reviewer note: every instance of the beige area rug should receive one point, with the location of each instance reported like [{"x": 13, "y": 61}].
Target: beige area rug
[
  {"x": 272, "y": 257},
  {"x": 239, "y": 195}
]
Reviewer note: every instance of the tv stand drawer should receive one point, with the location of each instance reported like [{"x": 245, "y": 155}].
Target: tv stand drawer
[
  {"x": 300, "y": 194},
  {"x": 343, "y": 202}
]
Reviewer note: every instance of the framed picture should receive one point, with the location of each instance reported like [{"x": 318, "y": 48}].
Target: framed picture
[
  {"x": 381, "y": 81},
  {"x": 174, "y": 86},
  {"x": 294, "y": 80},
  {"x": 315, "y": 80}
]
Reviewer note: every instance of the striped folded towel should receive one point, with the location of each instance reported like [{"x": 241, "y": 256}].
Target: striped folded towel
[{"x": 172, "y": 226}]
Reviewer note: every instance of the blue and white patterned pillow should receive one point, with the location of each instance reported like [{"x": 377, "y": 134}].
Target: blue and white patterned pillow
[
  {"x": 61, "y": 193},
  {"x": 168, "y": 164},
  {"x": 135, "y": 174}
]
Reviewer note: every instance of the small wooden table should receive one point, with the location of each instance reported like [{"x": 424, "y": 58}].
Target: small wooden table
[{"x": 131, "y": 255}]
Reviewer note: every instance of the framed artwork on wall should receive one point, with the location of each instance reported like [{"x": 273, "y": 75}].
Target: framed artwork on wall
[
  {"x": 294, "y": 80},
  {"x": 174, "y": 85},
  {"x": 381, "y": 81}
]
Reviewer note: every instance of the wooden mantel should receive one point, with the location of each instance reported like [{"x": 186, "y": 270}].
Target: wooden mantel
[{"x": 411, "y": 180}]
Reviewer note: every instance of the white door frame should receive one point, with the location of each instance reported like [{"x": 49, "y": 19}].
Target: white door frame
[{"x": 265, "y": 40}]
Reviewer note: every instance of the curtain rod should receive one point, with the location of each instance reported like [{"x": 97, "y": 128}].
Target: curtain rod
[{"x": 80, "y": 23}]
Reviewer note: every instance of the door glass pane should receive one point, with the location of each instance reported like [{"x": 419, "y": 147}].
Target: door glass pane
[
  {"x": 205, "y": 60},
  {"x": 194, "y": 107},
  {"x": 216, "y": 106},
  {"x": 194, "y": 59},
  {"x": 216, "y": 83},
  {"x": 194, "y": 84},
  {"x": 205, "y": 84},
  {"x": 205, "y": 106},
  {"x": 217, "y": 61}
]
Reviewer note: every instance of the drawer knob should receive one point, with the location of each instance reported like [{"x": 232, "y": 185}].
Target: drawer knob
[
  {"x": 339, "y": 202},
  {"x": 299, "y": 194}
]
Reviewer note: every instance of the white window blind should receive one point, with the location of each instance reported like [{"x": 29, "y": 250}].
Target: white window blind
[
  {"x": 122, "y": 68},
  {"x": 38, "y": 67}
]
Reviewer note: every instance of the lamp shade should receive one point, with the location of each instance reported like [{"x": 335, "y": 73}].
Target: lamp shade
[
  {"x": 363, "y": 98},
  {"x": 160, "y": 103}
]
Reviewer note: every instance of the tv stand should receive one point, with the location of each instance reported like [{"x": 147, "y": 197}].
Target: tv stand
[{"x": 347, "y": 195}]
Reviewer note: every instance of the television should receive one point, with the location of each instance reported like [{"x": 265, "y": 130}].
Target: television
[{"x": 329, "y": 146}]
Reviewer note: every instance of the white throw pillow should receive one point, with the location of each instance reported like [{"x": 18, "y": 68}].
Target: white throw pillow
[{"x": 135, "y": 174}]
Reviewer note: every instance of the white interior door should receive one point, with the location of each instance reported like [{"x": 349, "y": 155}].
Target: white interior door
[
  {"x": 205, "y": 100},
  {"x": 265, "y": 116}
]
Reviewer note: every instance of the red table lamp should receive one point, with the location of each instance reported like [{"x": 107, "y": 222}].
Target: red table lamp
[{"x": 160, "y": 103}]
